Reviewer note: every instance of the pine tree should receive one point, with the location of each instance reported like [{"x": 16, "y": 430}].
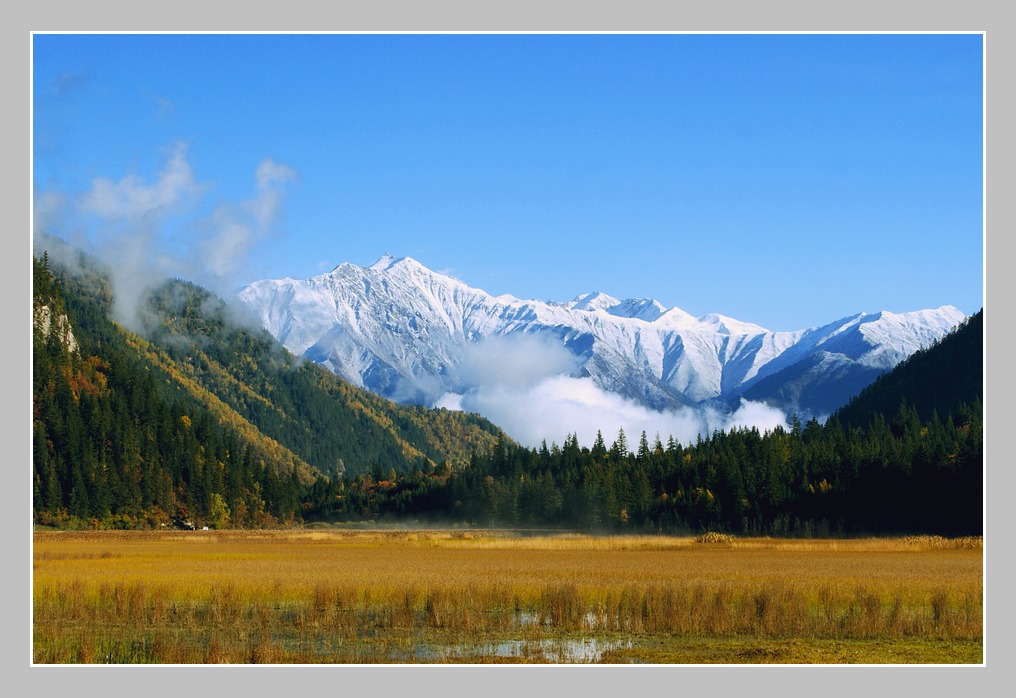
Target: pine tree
[
  {"x": 619, "y": 449},
  {"x": 643, "y": 452}
]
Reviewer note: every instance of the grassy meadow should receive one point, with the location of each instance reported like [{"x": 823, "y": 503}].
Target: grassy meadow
[{"x": 478, "y": 596}]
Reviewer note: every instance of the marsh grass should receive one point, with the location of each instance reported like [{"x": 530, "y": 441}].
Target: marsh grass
[{"x": 387, "y": 598}]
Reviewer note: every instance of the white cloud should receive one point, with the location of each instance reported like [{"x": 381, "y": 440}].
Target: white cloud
[
  {"x": 522, "y": 384},
  {"x": 757, "y": 414},
  {"x": 269, "y": 173},
  {"x": 47, "y": 209},
  {"x": 126, "y": 223},
  {"x": 132, "y": 199},
  {"x": 514, "y": 361},
  {"x": 228, "y": 245},
  {"x": 270, "y": 176},
  {"x": 233, "y": 230},
  {"x": 450, "y": 401}
]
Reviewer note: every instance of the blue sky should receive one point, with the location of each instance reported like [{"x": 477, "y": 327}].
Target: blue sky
[{"x": 787, "y": 180}]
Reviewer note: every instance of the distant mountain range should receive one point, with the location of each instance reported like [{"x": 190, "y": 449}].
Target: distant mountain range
[{"x": 407, "y": 333}]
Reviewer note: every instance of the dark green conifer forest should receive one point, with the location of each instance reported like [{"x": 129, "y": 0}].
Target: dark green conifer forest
[{"x": 200, "y": 420}]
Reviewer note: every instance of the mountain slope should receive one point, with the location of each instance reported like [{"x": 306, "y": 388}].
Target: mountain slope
[
  {"x": 406, "y": 332},
  {"x": 940, "y": 379},
  {"x": 126, "y": 424},
  {"x": 335, "y": 426},
  {"x": 118, "y": 442}
]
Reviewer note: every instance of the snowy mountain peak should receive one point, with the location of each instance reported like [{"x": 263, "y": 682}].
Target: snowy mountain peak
[
  {"x": 639, "y": 309},
  {"x": 415, "y": 335},
  {"x": 386, "y": 262},
  {"x": 593, "y": 301},
  {"x": 645, "y": 309},
  {"x": 730, "y": 326}
]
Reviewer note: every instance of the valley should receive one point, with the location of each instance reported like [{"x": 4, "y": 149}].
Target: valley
[{"x": 337, "y": 527}]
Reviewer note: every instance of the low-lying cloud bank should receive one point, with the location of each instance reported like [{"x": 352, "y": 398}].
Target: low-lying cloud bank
[{"x": 522, "y": 385}]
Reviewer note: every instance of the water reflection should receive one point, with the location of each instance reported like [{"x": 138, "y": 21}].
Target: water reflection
[{"x": 555, "y": 651}]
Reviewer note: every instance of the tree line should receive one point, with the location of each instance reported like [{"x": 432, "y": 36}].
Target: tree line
[{"x": 900, "y": 475}]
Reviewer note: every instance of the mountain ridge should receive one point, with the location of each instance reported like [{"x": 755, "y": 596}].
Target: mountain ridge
[
  {"x": 945, "y": 377},
  {"x": 402, "y": 331}
]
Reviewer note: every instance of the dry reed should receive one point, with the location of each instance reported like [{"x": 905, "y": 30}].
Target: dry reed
[{"x": 396, "y": 598}]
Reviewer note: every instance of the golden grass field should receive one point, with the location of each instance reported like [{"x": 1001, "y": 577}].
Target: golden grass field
[{"x": 463, "y": 597}]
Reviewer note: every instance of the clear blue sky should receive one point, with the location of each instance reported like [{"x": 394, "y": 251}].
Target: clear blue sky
[{"x": 787, "y": 180}]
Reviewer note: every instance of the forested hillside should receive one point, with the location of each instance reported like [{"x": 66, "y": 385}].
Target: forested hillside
[
  {"x": 937, "y": 379},
  {"x": 199, "y": 418},
  {"x": 333, "y": 425}
]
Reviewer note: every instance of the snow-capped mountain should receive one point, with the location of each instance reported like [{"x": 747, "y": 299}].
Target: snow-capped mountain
[{"x": 408, "y": 333}]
